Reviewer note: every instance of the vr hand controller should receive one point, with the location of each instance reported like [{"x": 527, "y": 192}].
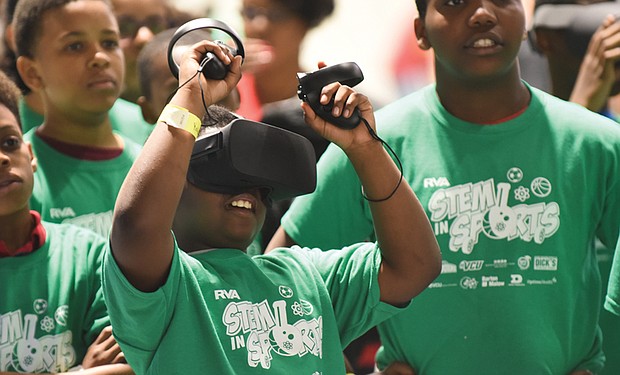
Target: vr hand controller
[{"x": 311, "y": 84}]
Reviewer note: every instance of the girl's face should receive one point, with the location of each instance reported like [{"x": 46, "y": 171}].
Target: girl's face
[
  {"x": 473, "y": 39},
  {"x": 78, "y": 64}
]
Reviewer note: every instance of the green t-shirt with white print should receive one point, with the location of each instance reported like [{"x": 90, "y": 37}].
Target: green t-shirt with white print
[
  {"x": 515, "y": 208},
  {"x": 291, "y": 311},
  {"x": 51, "y": 304}
]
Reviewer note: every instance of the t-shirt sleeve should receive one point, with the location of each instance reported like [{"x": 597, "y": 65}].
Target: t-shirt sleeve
[
  {"x": 351, "y": 278},
  {"x": 131, "y": 310},
  {"x": 335, "y": 214}
]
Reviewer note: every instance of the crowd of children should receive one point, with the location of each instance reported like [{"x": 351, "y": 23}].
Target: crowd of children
[{"x": 472, "y": 247}]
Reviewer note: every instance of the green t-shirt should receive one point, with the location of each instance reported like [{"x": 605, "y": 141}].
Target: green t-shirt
[
  {"x": 223, "y": 312},
  {"x": 125, "y": 117},
  {"x": 80, "y": 192},
  {"x": 515, "y": 208},
  {"x": 612, "y": 301},
  {"x": 52, "y": 305}
]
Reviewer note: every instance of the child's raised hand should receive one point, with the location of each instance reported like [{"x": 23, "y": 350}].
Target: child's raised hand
[
  {"x": 213, "y": 90},
  {"x": 345, "y": 101}
]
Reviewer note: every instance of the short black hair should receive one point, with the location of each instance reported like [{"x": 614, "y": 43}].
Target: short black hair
[
  {"x": 421, "y": 5},
  {"x": 216, "y": 117},
  {"x": 313, "y": 12},
  {"x": 8, "y": 58},
  {"x": 27, "y": 22},
  {"x": 10, "y": 95}
]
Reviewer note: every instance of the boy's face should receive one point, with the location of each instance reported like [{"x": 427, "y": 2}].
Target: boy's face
[
  {"x": 219, "y": 220},
  {"x": 78, "y": 64},
  {"x": 472, "y": 38},
  {"x": 17, "y": 166},
  {"x": 139, "y": 21}
]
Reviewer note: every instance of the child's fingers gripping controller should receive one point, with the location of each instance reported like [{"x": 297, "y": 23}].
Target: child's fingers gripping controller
[{"x": 311, "y": 84}]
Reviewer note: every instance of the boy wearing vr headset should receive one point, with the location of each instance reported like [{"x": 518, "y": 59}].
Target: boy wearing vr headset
[{"x": 282, "y": 312}]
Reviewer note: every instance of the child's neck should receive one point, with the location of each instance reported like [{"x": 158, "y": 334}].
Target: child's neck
[
  {"x": 94, "y": 131},
  {"x": 483, "y": 103},
  {"x": 16, "y": 229}
]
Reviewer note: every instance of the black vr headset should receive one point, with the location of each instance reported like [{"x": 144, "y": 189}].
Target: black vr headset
[{"x": 247, "y": 154}]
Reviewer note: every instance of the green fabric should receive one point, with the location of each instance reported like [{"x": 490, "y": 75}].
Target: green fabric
[
  {"x": 515, "y": 208},
  {"x": 223, "y": 312},
  {"x": 612, "y": 301},
  {"x": 52, "y": 305},
  {"x": 81, "y": 192},
  {"x": 125, "y": 117}
]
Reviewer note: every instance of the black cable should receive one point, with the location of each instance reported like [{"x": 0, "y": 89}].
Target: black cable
[{"x": 374, "y": 135}]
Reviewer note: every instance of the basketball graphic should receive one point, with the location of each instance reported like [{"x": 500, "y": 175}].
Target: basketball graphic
[{"x": 541, "y": 187}]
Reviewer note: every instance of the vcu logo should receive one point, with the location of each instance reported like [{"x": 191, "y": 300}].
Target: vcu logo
[
  {"x": 226, "y": 294},
  {"x": 436, "y": 182}
]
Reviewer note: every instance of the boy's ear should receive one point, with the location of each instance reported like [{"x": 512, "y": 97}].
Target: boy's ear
[
  {"x": 420, "y": 33},
  {"x": 33, "y": 159},
  {"x": 147, "y": 110},
  {"x": 28, "y": 70}
]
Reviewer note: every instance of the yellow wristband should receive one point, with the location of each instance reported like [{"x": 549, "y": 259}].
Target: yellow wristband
[{"x": 181, "y": 118}]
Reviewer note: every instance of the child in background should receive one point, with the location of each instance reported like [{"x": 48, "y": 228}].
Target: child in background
[
  {"x": 69, "y": 55},
  {"x": 52, "y": 308},
  {"x": 156, "y": 81},
  {"x": 291, "y": 310},
  {"x": 517, "y": 185},
  {"x": 124, "y": 116},
  {"x": 139, "y": 21}
]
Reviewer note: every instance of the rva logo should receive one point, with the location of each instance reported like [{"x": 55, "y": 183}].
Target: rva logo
[
  {"x": 226, "y": 294},
  {"x": 60, "y": 213},
  {"x": 436, "y": 182}
]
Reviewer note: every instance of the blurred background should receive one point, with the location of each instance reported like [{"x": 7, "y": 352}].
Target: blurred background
[{"x": 378, "y": 38}]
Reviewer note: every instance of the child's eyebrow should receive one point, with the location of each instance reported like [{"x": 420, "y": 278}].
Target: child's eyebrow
[{"x": 77, "y": 34}]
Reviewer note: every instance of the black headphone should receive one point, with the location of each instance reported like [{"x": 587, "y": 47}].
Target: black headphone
[{"x": 211, "y": 66}]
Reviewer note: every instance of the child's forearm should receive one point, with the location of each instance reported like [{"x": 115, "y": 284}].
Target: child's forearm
[
  {"x": 140, "y": 237},
  {"x": 410, "y": 253}
]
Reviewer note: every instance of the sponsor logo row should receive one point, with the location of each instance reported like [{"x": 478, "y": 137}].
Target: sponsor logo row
[{"x": 537, "y": 263}]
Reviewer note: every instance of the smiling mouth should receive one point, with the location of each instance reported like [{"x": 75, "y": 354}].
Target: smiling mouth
[
  {"x": 484, "y": 43},
  {"x": 243, "y": 204}
]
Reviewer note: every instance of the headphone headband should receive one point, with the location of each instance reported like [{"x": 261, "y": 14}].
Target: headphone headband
[{"x": 202, "y": 23}]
